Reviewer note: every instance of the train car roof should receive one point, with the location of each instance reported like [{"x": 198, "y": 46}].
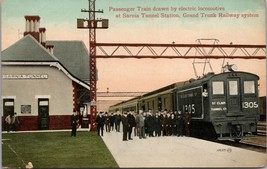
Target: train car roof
[
  {"x": 137, "y": 97},
  {"x": 171, "y": 86},
  {"x": 208, "y": 77}
]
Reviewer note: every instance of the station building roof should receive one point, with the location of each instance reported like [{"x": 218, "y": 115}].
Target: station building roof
[
  {"x": 74, "y": 56},
  {"x": 71, "y": 55},
  {"x": 27, "y": 49}
]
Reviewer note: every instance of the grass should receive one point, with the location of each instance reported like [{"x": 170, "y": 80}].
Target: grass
[{"x": 56, "y": 150}]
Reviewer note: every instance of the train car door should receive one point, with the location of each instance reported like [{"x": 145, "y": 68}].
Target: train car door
[
  {"x": 8, "y": 108},
  {"x": 43, "y": 114},
  {"x": 233, "y": 97}
]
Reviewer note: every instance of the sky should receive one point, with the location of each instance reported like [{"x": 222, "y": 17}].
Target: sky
[{"x": 132, "y": 75}]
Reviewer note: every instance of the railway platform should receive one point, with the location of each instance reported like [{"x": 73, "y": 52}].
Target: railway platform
[{"x": 182, "y": 152}]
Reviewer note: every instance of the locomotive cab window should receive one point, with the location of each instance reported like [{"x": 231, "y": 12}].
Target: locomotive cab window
[
  {"x": 233, "y": 88},
  {"x": 217, "y": 88},
  {"x": 249, "y": 87}
]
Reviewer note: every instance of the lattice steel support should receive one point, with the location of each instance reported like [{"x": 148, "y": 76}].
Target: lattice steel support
[
  {"x": 92, "y": 25},
  {"x": 92, "y": 64}
]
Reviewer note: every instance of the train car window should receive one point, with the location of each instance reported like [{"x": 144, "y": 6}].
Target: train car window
[
  {"x": 233, "y": 88},
  {"x": 159, "y": 104},
  {"x": 217, "y": 87},
  {"x": 205, "y": 90},
  {"x": 249, "y": 87}
]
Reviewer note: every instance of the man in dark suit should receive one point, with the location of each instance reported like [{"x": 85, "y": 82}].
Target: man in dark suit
[
  {"x": 187, "y": 122},
  {"x": 100, "y": 123},
  {"x": 158, "y": 122},
  {"x": 73, "y": 121},
  {"x": 180, "y": 124},
  {"x": 165, "y": 124},
  {"x": 125, "y": 126},
  {"x": 150, "y": 124},
  {"x": 131, "y": 121},
  {"x": 117, "y": 118}
]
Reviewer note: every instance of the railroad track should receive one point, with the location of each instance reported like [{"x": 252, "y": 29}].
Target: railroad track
[
  {"x": 257, "y": 143},
  {"x": 261, "y": 128}
]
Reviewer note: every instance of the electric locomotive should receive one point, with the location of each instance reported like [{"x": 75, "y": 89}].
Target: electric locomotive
[{"x": 222, "y": 105}]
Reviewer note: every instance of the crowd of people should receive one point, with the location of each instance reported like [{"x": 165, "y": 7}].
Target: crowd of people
[{"x": 145, "y": 124}]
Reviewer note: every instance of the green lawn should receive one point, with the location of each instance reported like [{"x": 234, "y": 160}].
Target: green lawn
[{"x": 56, "y": 150}]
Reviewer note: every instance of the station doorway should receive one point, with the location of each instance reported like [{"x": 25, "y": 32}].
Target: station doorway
[
  {"x": 8, "y": 109},
  {"x": 43, "y": 114}
]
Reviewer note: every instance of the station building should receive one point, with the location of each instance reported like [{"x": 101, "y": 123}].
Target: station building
[{"x": 43, "y": 81}]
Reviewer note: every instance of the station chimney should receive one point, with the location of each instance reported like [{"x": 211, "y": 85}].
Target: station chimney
[
  {"x": 32, "y": 26},
  {"x": 42, "y": 36},
  {"x": 50, "y": 48}
]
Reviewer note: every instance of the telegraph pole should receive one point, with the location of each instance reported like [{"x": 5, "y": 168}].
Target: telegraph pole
[{"x": 92, "y": 24}]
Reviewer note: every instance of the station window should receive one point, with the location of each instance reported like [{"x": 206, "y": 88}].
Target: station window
[
  {"x": 249, "y": 87},
  {"x": 217, "y": 87},
  {"x": 233, "y": 88},
  {"x": 8, "y": 102},
  {"x": 43, "y": 102}
]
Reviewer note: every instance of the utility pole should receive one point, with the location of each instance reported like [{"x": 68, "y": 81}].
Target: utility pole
[{"x": 92, "y": 24}]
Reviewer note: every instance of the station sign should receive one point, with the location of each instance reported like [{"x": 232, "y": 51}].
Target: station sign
[{"x": 25, "y": 76}]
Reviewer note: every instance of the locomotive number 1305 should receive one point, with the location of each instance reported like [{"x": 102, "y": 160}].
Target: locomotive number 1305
[
  {"x": 247, "y": 105},
  {"x": 190, "y": 107}
]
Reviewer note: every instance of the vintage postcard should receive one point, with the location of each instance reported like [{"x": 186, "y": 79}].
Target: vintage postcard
[{"x": 133, "y": 83}]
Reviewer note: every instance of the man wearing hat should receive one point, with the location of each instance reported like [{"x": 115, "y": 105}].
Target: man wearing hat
[
  {"x": 125, "y": 126},
  {"x": 132, "y": 123},
  {"x": 187, "y": 122},
  {"x": 73, "y": 121},
  {"x": 140, "y": 124},
  {"x": 100, "y": 123}
]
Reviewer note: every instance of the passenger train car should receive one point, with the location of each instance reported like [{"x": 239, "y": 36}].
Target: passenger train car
[{"x": 224, "y": 105}]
